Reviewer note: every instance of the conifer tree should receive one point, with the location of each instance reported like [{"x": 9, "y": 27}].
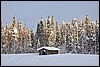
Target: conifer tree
[
  {"x": 41, "y": 32},
  {"x": 58, "y": 35}
]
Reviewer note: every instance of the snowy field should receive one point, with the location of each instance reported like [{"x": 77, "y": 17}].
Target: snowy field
[{"x": 49, "y": 60}]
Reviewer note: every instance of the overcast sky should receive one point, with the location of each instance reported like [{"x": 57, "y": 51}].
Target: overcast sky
[{"x": 32, "y": 11}]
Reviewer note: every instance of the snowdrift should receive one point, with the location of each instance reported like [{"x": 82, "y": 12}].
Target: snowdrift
[{"x": 49, "y": 60}]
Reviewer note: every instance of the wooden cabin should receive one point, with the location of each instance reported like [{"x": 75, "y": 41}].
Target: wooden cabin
[{"x": 48, "y": 50}]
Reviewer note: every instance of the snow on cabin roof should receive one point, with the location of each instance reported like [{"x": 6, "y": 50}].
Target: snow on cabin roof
[{"x": 48, "y": 48}]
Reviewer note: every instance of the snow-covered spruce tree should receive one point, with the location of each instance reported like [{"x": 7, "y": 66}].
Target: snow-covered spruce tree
[
  {"x": 76, "y": 47},
  {"x": 32, "y": 40},
  {"x": 2, "y": 37},
  {"x": 80, "y": 35},
  {"x": 11, "y": 40},
  {"x": 50, "y": 32},
  {"x": 35, "y": 42},
  {"x": 85, "y": 33},
  {"x": 63, "y": 37},
  {"x": 19, "y": 29},
  {"x": 88, "y": 45},
  {"x": 14, "y": 35},
  {"x": 40, "y": 35},
  {"x": 52, "y": 36},
  {"x": 83, "y": 37},
  {"x": 28, "y": 46},
  {"x": 58, "y": 35},
  {"x": 6, "y": 39},
  {"x": 97, "y": 36},
  {"x": 68, "y": 36},
  {"x": 93, "y": 38},
  {"x": 63, "y": 33},
  {"x": 25, "y": 39},
  {"x": 47, "y": 30}
]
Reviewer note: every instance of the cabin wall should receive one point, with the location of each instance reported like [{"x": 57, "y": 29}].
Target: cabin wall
[{"x": 52, "y": 51}]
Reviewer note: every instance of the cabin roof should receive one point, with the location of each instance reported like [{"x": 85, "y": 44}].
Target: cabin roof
[{"x": 48, "y": 48}]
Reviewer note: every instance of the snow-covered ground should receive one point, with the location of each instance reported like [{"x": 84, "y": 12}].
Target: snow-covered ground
[{"x": 49, "y": 60}]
